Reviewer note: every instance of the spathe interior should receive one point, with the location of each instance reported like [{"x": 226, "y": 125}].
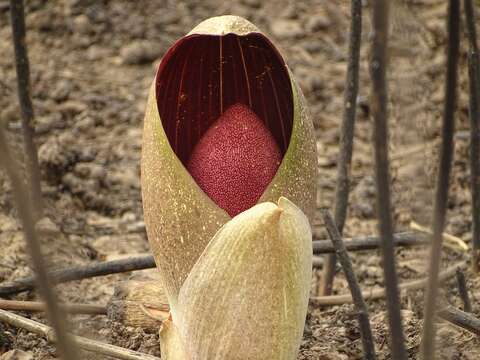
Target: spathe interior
[{"x": 202, "y": 75}]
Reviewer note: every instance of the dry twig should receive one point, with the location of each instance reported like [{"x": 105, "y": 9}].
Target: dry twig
[
  {"x": 84, "y": 343},
  {"x": 346, "y": 137},
  {"x": 360, "y": 305},
  {"x": 460, "y": 318},
  {"x": 463, "y": 291},
  {"x": 378, "y": 67},
  {"x": 474, "y": 80},
  {"x": 23, "y": 84},
  {"x": 370, "y": 242},
  {"x": 83, "y": 272},
  {"x": 36, "y": 306},
  {"x": 146, "y": 262},
  {"x": 450, "y": 241},
  {"x": 381, "y": 293},
  {"x": 444, "y": 168}
]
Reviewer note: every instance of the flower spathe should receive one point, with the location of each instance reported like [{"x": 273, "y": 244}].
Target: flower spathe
[
  {"x": 180, "y": 218},
  {"x": 237, "y": 287}
]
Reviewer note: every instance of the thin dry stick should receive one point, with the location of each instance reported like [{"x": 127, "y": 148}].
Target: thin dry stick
[
  {"x": 317, "y": 262},
  {"x": 65, "y": 344},
  {"x": 23, "y": 84},
  {"x": 379, "y": 100},
  {"x": 83, "y": 272},
  {"x": 84, "y": 343},
  {"x": 460, "y": 318},
  {"x": 381, "y": 293},
  {"x": 370, "y": 243},
  {"x": 463, "y": 291},
  {"x": 360, "y": 305},
  {"x": 444, "y": 168},
  {"x": 474, "y": 79},
  {"x": 346, "y": 137},
  {"x": 37, "y": 306},
  {"x": 450, "y": 241},
  {"x": 146, "y": 262}
]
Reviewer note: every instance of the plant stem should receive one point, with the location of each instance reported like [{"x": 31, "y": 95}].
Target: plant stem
[
  {"x": 346, "y": 137},
  {"x": 463, "y": 291},
  {"x": 379, "y": 100},
  {"x": 359, "y": 302},
  {"x": 23, "y": 84},
  {"x": 444, "y": 169},
  {"x": 474, "y": 81}
]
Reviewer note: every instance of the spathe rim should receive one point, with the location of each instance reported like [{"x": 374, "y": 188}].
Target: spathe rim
[{"x": 193, "y": 87}]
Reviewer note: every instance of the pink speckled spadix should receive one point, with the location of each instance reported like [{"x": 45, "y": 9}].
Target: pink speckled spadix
[{"x": 235, "y": 160}]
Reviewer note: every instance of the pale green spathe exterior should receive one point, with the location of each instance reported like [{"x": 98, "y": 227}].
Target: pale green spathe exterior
[{"x": 247, "y": 296}]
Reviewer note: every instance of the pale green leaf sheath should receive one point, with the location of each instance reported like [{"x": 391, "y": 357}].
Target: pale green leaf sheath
[{"x": 247, "y": 296}]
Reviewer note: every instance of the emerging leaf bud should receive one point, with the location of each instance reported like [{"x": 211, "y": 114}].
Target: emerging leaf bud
[{"x": 247, "y": 296}]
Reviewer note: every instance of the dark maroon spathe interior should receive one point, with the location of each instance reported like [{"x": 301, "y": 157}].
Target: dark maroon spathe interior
[{"x": 202, "y": 75}]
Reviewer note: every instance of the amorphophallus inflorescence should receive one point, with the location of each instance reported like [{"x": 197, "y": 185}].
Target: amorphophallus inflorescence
[{"x": 228, "y": 186}]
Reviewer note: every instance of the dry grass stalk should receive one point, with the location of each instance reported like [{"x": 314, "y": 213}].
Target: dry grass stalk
[
  {"x": 84, "y": 343},
  {"x": 23, "y": 83},
  {"x": 450, "y": 241},
  {"x": 346, "y": 137},
  {"x": 360, "y": 305},
  {"x": 379, "y": 100},
  {"x": 444, "y": 169},
  {"x": 37, "y": 306},
  {"x": 474, "y": 80},
  {"x": 377, "y": 294}
]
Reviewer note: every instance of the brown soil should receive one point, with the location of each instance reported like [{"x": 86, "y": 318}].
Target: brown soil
[{"x": 92, "y": 63}]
